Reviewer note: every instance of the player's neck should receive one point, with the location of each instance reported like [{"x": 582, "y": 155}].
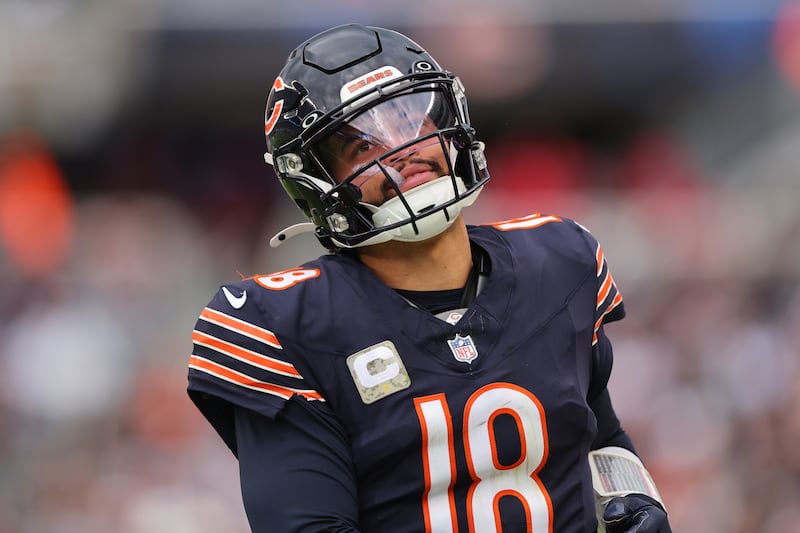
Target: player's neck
[{"x": 443, "y": 262}]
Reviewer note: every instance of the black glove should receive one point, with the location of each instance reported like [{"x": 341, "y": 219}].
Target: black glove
[{"x": 635, "y": 513}]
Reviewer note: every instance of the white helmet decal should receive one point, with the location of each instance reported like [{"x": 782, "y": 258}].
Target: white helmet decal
[{"x": 368, "y": 81}]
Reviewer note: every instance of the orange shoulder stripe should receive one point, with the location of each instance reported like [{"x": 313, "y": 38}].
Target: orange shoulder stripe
[
  {"x": 600, "y": 259},
  {"x": 237, "y": 378},
  {"x": 614, "y": 303},
  {"x": 248, "y": 356},
  {"x": 605, "y": 288},
  {"x": 240, "y": 326}
]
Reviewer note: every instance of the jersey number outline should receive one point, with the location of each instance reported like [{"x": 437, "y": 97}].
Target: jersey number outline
[
  {"x": 491, "y": 480},
  {"x": 278, "y": 281},
  {"x": 531, "y": 221}
]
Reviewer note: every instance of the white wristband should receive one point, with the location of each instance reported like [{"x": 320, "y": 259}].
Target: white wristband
[{"x": 617, "y": 472}]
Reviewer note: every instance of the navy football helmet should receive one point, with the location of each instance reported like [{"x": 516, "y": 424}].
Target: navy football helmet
[{"x": 371, "y": 139}]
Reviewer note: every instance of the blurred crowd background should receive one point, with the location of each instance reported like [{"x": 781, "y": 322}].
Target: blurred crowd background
[{"x": 132, "y": 184}]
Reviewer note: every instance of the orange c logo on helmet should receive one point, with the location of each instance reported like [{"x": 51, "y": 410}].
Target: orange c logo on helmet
[{"x": 272, "y": 119}]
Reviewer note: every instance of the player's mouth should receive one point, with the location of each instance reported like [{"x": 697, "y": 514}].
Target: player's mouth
[{"x": 412, "y": 175}]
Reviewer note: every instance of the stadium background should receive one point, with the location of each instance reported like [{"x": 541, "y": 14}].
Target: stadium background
[{"x": 132, "y": 184}]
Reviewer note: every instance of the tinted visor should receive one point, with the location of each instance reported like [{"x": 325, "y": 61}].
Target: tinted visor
[{"x": 356, "y": 146}]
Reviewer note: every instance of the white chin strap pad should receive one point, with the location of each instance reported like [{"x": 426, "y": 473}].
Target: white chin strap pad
[{"x": 421, "y": 198}]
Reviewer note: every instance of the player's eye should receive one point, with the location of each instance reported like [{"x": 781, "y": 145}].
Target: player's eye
[{"x": 364, "y": 148}]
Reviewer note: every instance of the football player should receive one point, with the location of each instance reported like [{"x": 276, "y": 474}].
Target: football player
[{"x": 424, "y": 375}]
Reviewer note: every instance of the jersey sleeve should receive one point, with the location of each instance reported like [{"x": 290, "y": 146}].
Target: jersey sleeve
[
  {"x": 609, "y": 306},
  {"x": 237, "y": 360},
  {"x": 308, "y": 450}
]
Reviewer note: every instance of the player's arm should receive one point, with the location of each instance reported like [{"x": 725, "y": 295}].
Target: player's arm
[
  {"x": 627, "y": 498},
  {"x": 296, "y": 470},
  {"x": 609, "y": 429}
]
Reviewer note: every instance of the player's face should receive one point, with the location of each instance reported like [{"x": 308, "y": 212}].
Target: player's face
[{"x": 357, "y": 149}]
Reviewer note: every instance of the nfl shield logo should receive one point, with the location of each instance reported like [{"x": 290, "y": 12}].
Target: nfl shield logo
[{"x": 463, "y": 348}]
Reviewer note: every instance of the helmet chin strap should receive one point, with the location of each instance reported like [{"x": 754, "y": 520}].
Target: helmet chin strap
[
  {"x": 429, "y": 195},
  {"x": 419, "y": 199},
  {"x": 426, "y": 195}
]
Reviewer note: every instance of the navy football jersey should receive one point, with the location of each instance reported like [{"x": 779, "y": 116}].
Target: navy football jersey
[{"x": 482, "y": 424}]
